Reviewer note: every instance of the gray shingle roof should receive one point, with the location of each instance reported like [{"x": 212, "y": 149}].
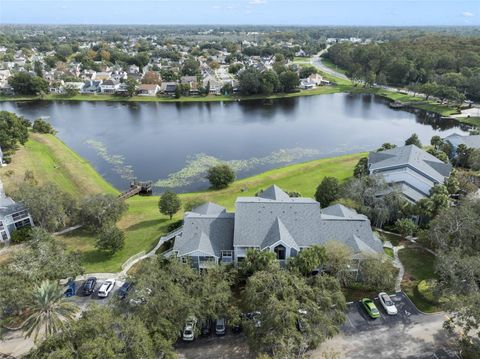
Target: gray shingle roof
[
  {"x": 275, "y": 193},
  {"x": 208, "y": 233},
  {"x": 302, "y": 219},
  {"x": 469, "y": 141},
  {"x": 278, "y": 232},
  {"x": 209, "y": 208},
  {"x": 409, "y": 156}
]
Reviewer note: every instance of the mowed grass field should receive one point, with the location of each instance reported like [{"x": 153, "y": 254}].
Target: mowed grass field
[{"x": 52, "y": 161}]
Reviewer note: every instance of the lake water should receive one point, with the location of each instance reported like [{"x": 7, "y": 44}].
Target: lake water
[{"x": 173, "y": 144}]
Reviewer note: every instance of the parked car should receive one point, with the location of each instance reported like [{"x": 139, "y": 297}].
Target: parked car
[
  {"x": 188, "y": 334},
  {"x": 124, "y": 289},
  {"x": 140, "y": 296},
  {"x": 89, "y": 285},
  {"x": 221, "y": 326},
  {"x": 71, "y": 288},
  {"x": 370, "y": 307},
  {"x": 206, "y": 327},
  {"x": 387, "y": 303},
  {"x": 106, "y": 288},
  {"x": 255, "y": 316}
]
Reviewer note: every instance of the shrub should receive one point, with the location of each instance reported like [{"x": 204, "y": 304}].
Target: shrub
[
  {"x": 406, "y": 227},
  {"x": 42, "y": 126},
  {"x": 426, "y": 289},
  {"x": 327, "y": 191},
  {"x": 110, "y": 239},
  {"x": 21, "y": 235}
]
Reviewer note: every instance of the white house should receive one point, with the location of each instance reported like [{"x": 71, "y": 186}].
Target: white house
[
  {"x": 12, "y": 216},
  {"x": 109, "y": 86},
  {"x": 148, "y": 89}
]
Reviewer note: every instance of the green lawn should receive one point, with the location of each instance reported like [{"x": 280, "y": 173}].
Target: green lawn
[
  {"x": 389, "y": 252},
  {"x": 143, "y": 224},
  {"x": 54, "y": 162},
  {"x": 413, "y": 101},
  {"x": 419, "y": 265},
  {"x": 474, "y": 121}
]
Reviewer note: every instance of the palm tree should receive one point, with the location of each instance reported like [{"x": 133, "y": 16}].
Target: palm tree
[{"x": 49, "y": 310}]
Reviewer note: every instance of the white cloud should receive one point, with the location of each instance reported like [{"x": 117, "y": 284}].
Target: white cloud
[{"x": 468, "y": 14}]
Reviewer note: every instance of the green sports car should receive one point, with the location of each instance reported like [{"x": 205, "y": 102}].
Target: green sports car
[{"x": 371, "y": 308}]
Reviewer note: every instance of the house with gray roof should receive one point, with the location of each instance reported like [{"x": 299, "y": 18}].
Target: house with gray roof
[
  {"x": 271, "y": 221},
  {"x": 410, "y": 169},
  {"x": 456, "y": 140},
  {"x": 12, "y": 216}
]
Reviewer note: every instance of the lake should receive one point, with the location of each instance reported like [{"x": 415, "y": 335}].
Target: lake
[{"x": 173, "y": 144}]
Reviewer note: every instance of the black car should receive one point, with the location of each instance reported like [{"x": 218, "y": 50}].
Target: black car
[
  {"x": 206, "y": 327},
  {"x": 124, "y": 289},
  {"x": 89, "y": 286}
]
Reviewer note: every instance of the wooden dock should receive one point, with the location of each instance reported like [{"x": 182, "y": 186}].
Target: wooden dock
[{"x": 137, "y": 187}]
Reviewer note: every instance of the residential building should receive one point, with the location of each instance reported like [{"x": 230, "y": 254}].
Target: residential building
[
  {"x": 271, "y": 221},
  {"x": 410, "y": 169},
  {"x": 12, "y": 216},
  {"x": 456, "y": 140},
  {"x": 91, "y": 86},
  {"x": 168, "y": 88},
  {"x": 109, "y": 86},
  {"x": 148, "y": 89}
]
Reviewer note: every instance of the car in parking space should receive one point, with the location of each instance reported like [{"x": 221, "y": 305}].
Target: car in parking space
[
  {"x": 140, "y": 296},
  {"x": 124, "y": 289},
  {"x": 221, "y": 326},
  {"x": 89, "y": 285},
  {"x": 206, "y": 327},
  {"x": 255, "y": 316},
  {"x": 71, "y": 288},
  {"x": 106, "y": 288},
  {"x": 188, "y": 333},
  {"x": 387, "y": 303},
  {"x": 370, "y": 308}
]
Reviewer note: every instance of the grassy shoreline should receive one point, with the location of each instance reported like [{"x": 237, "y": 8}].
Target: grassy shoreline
[{"x": 211, "y": 98}]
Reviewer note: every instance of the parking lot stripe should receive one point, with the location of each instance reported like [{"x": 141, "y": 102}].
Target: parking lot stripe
[{"x": 349, "y": 320}]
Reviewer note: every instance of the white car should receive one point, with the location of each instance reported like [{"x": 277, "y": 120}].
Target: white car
[
  {"x": 106, "y": 288},
  {"x": 387, "y": 303},
  {"x": 189, "y": 330}
]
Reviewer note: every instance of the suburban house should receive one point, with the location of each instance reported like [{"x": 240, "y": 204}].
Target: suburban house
[
  {"x": 12, "y": 216},
  {"x": 410, "y": 169},
  {"x": 168, "y": 88},
  {"x": 109, "y": 86},
  {"x": 272, "y": 221},
  {"x": 456, "y": 140},
  {"x": 91, "y": 86},
  {"x": 148, "y": 89}
]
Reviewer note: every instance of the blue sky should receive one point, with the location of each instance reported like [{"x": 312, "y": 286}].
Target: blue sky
[{"x": 255, "y": 12}]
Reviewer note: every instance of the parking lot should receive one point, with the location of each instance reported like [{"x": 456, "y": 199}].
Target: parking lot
[
  {"x": 83, "y": 300},
  {"x": 409, "y": 334},
  {"x": 358, "y": 319}
]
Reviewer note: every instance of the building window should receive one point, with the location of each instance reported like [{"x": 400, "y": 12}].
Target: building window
[
  {"x": 227, "y": 254},
  {"x": 280, "y": 251},
  {"x": 24, "y": 223},
  {"x": 19, "y": 215},
  {"x": 4, "y": 235}
]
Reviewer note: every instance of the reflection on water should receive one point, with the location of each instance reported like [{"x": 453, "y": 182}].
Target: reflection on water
[{"x": 174, "y": 143}]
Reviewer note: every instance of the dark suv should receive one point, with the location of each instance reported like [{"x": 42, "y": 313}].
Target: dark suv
[
  {"x": 89, "y": 285},
  {"x": 124, "y": 289}
]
